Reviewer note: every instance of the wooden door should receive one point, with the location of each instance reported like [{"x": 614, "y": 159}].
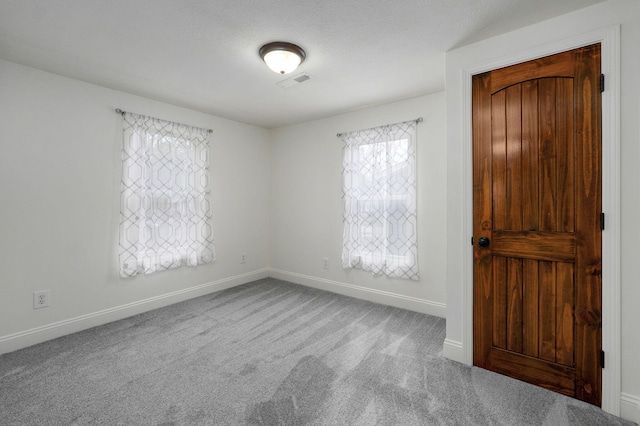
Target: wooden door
[{"x": 537, "y": 202}]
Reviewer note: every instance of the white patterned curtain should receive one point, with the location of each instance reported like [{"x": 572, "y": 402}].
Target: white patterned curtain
[
  {"x": 379, "y": 193},
  {"x": 165, "y": 215}
]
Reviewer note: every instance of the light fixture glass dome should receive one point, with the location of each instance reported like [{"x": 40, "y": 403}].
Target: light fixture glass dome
[{"x": 282, "y": 57}]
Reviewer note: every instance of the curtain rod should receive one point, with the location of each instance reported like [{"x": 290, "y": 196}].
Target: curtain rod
[
  {"x": 122, "y": 112},
  {"x": 417, "y": 120}
]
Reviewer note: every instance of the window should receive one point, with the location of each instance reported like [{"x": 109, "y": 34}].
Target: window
[
  {"x": 165, "y": 214},
  {"x": 379, "y": 192}
]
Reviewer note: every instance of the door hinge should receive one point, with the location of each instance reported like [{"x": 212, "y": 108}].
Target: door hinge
[
  {"x": 472, "y": 241},
  {"x": 602, "y": 359},
  {"x": 601, "y": 82},
  {"x": 602, "y": 221}
]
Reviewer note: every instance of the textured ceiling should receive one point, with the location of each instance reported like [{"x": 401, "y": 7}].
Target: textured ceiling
[{"x": 202, "y": 54}]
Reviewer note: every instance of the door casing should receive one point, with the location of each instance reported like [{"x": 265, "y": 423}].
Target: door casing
[{"x": 610, "y": 41}]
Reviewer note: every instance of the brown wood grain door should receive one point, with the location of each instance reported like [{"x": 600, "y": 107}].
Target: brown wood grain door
[{"x": 537, "y": 201}]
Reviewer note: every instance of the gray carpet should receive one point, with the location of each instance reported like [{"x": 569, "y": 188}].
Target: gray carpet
[{"x": 269, "y": 353}]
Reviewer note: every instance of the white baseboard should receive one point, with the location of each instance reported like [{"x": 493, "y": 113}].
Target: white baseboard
[
  {"x": 378, "y": 296},
  {"x": 629, "y": 404},
  {"x": 630, "y": 407},
  {"x": 22, "y": 339},
  {"x": 453, "y": 350}
]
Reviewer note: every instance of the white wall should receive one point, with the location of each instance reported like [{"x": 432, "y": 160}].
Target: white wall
[
  {"x": 60, "y": 145},
  {"x": 625, "y": 13},
  {"x": 306, "y": 205}
]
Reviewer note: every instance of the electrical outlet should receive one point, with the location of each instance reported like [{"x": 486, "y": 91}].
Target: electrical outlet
[
  {"x": 243, "y": 257},
  {"x": 325, "y": 263},
  {"x": 41, "y": 299}
]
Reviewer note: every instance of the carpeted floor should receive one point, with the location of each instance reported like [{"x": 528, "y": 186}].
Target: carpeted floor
[{"x": 269, "y": 353}]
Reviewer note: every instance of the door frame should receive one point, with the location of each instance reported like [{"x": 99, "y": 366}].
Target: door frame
[{"x": 609, "y": 38}]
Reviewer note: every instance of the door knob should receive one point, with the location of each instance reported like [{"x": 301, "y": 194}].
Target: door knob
[{"x": 483, "y": 242}]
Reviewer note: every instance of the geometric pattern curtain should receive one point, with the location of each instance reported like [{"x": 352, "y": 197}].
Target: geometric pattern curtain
[
  {"x": 165, "y": 212},
  {"x": 379, "y": 194}
]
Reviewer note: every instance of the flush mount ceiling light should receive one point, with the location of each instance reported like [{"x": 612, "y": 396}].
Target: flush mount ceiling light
[{"x": 282, "y": 57}]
